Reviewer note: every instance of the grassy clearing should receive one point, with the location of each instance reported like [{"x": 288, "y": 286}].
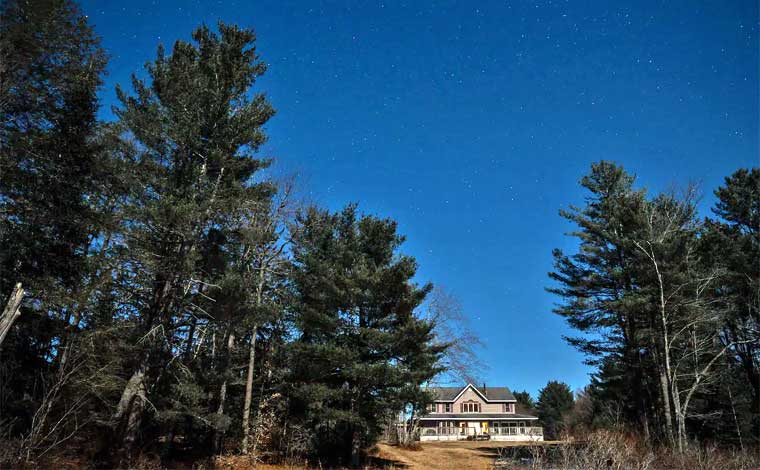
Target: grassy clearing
[{"x": 603, "y": 450}]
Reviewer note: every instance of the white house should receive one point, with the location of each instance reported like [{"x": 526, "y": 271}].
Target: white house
[{"x": 469, "y": 412}]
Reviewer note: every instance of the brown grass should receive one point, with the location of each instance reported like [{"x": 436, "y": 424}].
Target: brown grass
[
  {"x": 603, "y": 450},
  {"x": 460, "y": 455},
  {"x": 426, "y": 456},
  {"x": 446, "y": 455},
  {"x": 626, "y": 452}
]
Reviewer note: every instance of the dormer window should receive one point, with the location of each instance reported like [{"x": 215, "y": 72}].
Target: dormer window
[{"x": 471, "y": 407}]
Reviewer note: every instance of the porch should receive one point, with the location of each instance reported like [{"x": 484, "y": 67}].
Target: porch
[{"x": 472, "y": 430}]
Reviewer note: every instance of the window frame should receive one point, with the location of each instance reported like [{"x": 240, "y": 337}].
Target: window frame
[{"x": 470, "y": 407}]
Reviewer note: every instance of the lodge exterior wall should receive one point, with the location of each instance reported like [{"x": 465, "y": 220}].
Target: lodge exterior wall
[{"x": 470, "y": 395}]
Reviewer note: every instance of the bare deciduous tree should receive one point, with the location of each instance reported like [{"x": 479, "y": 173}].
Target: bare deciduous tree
[
  {"x": 266, "y": 265},
  {"x": 688, "y": 325},
  {"x": 452, "y": 326}
]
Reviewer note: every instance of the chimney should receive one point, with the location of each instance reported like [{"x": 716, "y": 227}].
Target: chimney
[{"x": 485, "y": 390}]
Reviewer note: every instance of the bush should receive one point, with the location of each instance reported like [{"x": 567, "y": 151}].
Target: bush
[{"x": 605, "y": 450}]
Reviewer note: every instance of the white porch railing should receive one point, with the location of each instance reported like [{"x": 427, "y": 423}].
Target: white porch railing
[
  {"x": 517, "y": 431},
  {"x": 528, "y": 431},
  {"x": 441, "y": 431}
]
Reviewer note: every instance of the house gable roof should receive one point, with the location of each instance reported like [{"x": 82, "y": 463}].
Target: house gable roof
[{"x": 489, "y": 394}]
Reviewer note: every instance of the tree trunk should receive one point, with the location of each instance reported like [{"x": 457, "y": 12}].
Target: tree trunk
[
  {"x": 666, "y": 411},
  {"x": 666, "y": 373},
  {"x": 131, "y": 406},
  {"x": 699, "y": 375},
  {"x": 11, "y": 311},
  {"x": 190, "y": 338},
  {"x": 736, "y": 420},
  {"x": 219, "y": 434},
  {"x": 135, "y": 395},
  {"x": 663, "y": 344},
  {"x": 251, "y": 363},
  {"x": 680, "y": 417},
  {"x": 355, "y": 449},
  {"x": 249, "y": 392}
]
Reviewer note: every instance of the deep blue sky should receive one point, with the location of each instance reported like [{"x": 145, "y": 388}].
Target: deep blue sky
[{"x": 470, "y": 123}]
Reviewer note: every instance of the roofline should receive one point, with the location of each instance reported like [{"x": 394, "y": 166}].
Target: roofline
[
  {"x": 489, "y": 401},
  {"x": 461, "y": 392},
  {"x": 475, "y": 418}
]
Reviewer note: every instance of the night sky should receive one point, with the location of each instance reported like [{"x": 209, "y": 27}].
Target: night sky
[{"x": 470, "y": 123}]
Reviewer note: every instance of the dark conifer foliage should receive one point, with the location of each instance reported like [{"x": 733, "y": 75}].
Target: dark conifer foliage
[
  {"x": 666, "y": 305},
  {"x": 554, "y": 404},
  {"x": 732, "y": 242},
  {"x": 56, "y": 194},
  {"x": 596, "y": 280},
  {"x": 196, "y": 131},
  {"x": 179, "y": 303},
  {"x": 51, "y": 71},
  {"x": 174, "y": 303},
  {"x": 359, "y": 349},
  {"x": 525, "y": 403}
]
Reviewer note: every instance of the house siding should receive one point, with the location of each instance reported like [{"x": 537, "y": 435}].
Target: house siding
[
  {"x": 496, "y": 420},
  {"x": 470, "y": 395}
]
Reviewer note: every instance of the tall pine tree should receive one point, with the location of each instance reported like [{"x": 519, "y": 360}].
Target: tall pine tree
[
  {"x": 197, "y": 127},
  {"x": 596, "y": 285},
  {"x": 732, "y": 242},
  {"x": 360, "y": 350},
  {"x": 56, "y": 193}
]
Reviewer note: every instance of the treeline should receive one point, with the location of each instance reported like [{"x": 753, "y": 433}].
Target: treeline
[
  {"x": 170, "y": 296},
  {"x": 668, "y": 307}
]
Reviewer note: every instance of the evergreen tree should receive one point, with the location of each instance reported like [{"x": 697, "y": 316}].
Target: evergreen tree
[
  {"x": 649, "y": 287},
  {"x": 596, "y": 284},
  {"x": 525, "y": 402},
  {"x": 555, "y": 401},
  {"x": 732, "y": 242},
  {"x": 360, "y": 350},
  {"x": 198, "y": 129},
  {"x": 57, "y": 188},
  {"x": 52, "y": 65}
]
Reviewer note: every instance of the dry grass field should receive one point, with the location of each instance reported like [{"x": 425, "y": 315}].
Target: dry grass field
[
  {"x": 461, "y": 455},
  {"x": 602, "y": 450},
  {"x": 443, "y": 455}
]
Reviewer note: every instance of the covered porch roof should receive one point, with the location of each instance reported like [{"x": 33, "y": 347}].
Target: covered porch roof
[{"x": 477, "y": 417}]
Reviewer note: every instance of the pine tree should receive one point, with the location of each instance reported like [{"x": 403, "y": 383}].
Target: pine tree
[
  {"x": 555, "y": 401},
  {"x": 198, "y": 130},
  {"x": 56, "y": 195},
  {"x": 52, "y": 67},
  {"x": 732, "y": 242},
  {"x": 361, "y": 351},
  {"x": 597, "y": 284},
  {"x": 643, "y": 287},
  {"x": 525, "y": 402}
]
